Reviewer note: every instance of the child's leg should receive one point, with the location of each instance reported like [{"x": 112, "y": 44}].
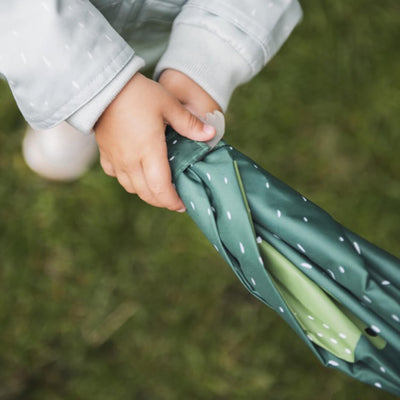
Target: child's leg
[{"x": 61, "y": 153}]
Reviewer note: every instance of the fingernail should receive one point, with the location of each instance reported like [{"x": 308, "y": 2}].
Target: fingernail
[
  {"x": 182, "y": 210},
  {"x": 208, "y": 129}
]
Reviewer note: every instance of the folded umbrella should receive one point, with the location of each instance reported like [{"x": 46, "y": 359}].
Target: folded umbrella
[{"x": 340, "y": 293}]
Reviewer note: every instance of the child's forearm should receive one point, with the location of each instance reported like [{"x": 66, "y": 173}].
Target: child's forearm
[
  {"x": 223, "y": 44},
  {"x": 58, "y": 56}
]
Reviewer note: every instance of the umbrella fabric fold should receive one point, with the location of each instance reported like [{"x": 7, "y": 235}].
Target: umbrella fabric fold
[{"x": 339, "y": 292}]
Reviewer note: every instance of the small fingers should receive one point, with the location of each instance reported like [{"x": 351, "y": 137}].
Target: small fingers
[
  {"x": 117, "y": 172},
  {"x": 137, "y": 178},
  {"x": 107, "y": 166},
  {"x": 187, "y": 124},
  {"x": 125, "y": 182},
  {"x": 132, "y": 177},
  {"x": 158, "y": 177},
  {"x": 145, "y": 172}
]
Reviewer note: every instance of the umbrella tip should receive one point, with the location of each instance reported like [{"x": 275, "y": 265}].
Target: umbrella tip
[{"x": 217, "y": 120}]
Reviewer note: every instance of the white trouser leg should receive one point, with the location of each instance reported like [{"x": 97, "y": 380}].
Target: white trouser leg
[{"x": 61, "y": 153}]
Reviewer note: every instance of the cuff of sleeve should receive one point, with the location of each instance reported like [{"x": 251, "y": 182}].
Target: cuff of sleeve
[
  {"x": 207, "y": 59},
  {"x": 85, "y": 118}
]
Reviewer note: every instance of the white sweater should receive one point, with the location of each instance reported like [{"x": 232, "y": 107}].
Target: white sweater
[{"x": 68, "y": 59}]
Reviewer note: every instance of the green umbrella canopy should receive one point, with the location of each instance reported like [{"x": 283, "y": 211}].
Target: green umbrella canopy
[{"x": 340, "y": 293}]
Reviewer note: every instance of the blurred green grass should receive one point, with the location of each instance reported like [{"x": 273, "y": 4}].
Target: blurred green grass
[{"x": 104, "y": 297}]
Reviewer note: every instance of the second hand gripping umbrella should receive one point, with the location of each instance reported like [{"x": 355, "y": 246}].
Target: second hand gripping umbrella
[{"x": 339, "y": 292}]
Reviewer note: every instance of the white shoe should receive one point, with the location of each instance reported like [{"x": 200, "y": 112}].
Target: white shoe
[{"x": 61, "y": 153}]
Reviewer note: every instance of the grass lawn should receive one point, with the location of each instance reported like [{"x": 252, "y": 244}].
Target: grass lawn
[{"x": 104, "y": 297}]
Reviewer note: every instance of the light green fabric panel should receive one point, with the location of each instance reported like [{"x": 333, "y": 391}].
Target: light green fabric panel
[{"x": 325, "y": 324}]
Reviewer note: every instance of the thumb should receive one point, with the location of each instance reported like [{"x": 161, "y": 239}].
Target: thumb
[{"x": 187, "y": 124}]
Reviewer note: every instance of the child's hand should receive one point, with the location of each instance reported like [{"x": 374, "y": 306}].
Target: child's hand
[
  {"x": 188, "y": 92},
  {"x": 131, "y": 138}
]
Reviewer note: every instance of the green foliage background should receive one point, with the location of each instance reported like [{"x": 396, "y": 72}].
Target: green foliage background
[{"x": 104, "y": 297}]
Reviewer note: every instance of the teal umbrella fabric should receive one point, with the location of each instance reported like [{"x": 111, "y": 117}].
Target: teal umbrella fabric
[{"x": 337, "y": 291}]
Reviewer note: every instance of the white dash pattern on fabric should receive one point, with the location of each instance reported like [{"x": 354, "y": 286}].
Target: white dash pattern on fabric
[
  {"x": 23, "y": 58},
  {"x": 396, "y": 317},
  {"x": 334, "y": 363},
  {"x": 301, "y": 247},
  {"x": 331, "y": 274},
  {"x": 367, "y": 299},
  {"x": 47, "y": 62},
  {"x": 375, "y": 329},
  {"x": 357, "y": 247},
  {"x": 75, "y": 85},
  {"x": 45, "y": 6}
]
